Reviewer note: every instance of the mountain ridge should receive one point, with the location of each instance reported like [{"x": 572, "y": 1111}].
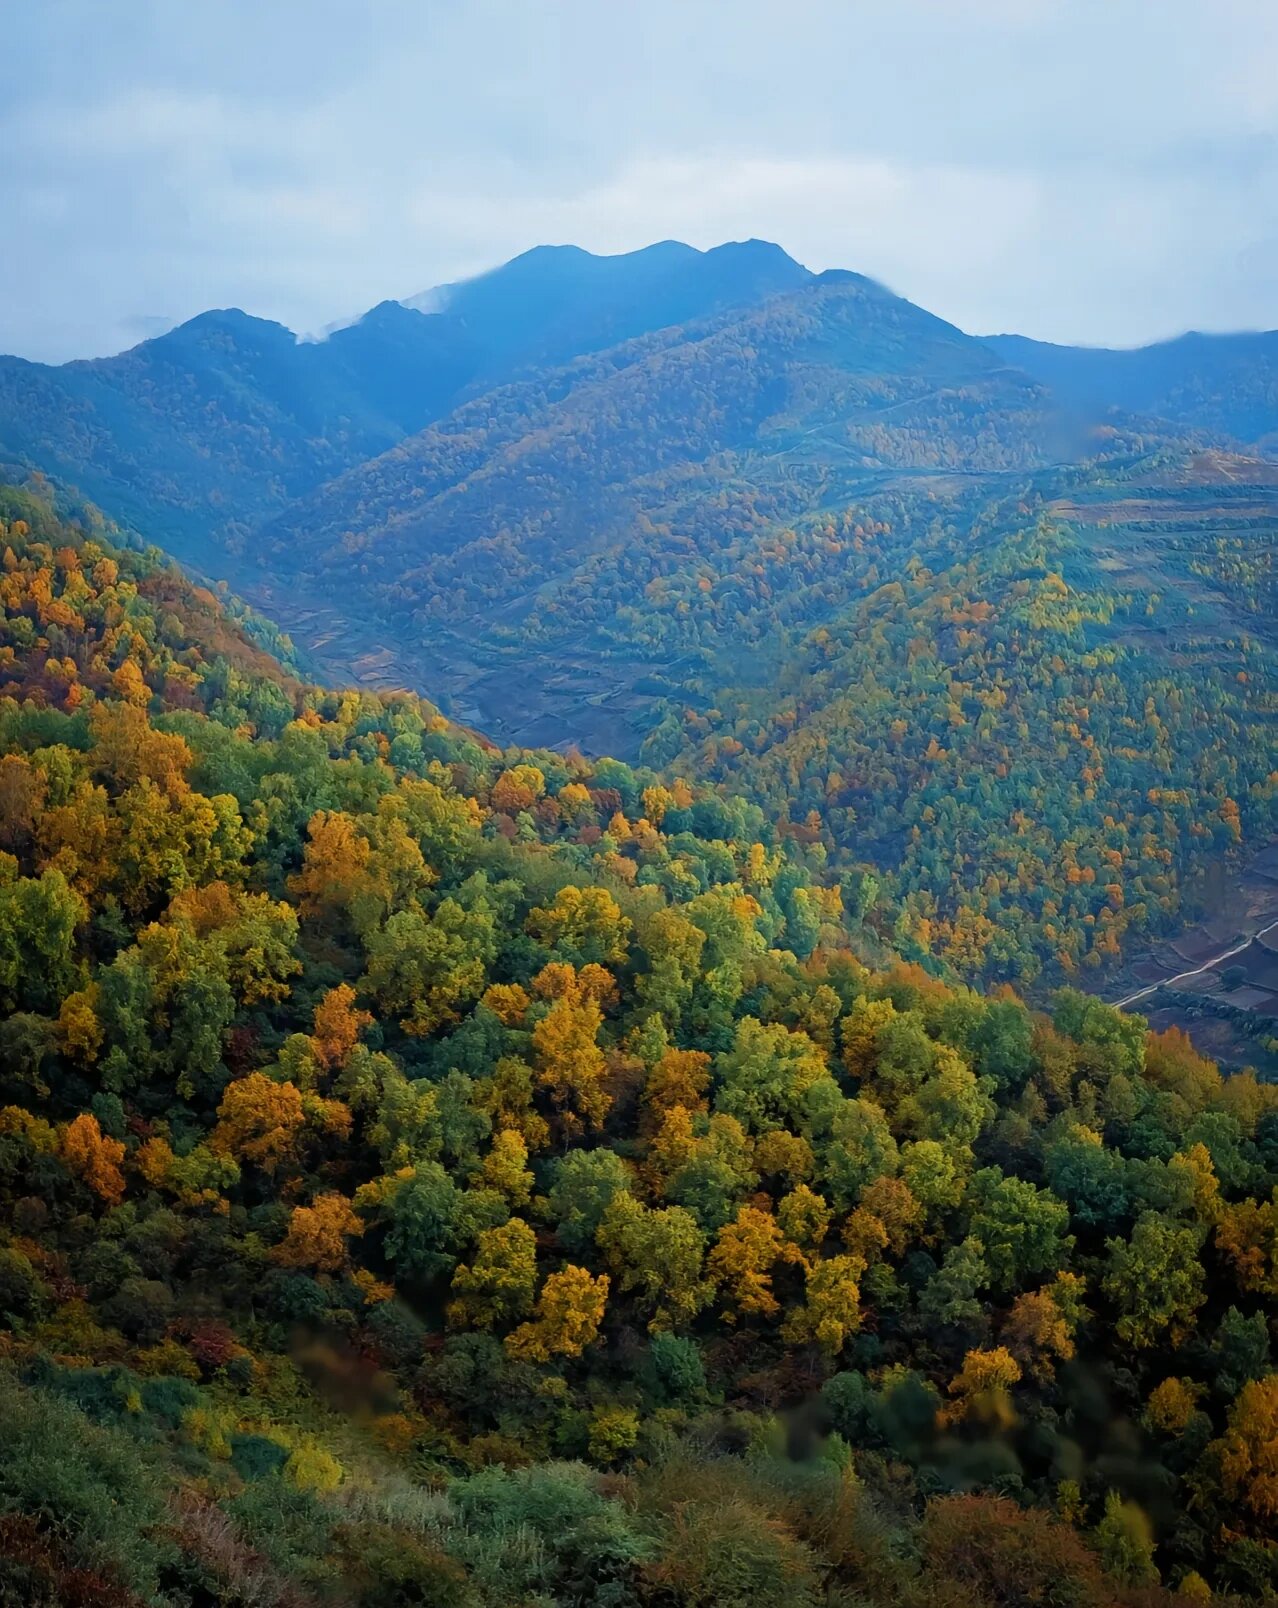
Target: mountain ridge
[
  {"x": 1223, "y": 383},
  {"x": 641, "y": 547}
]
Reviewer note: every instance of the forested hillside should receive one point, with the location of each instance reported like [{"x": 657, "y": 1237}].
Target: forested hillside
[
  {"x": 788, "y": 404},
  {"x": 440, "y": 1175},
  {"x": 1225, "y": 386},
  {"x": 200, "y": 436},
  {"x": 999, "y": 646},
  {"x": 1044, "y": 738},
  {"x": 1040, "y": 705},
  {"x": 207, "y": 431}
]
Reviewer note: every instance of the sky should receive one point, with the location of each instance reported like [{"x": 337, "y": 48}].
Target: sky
[{"x": 1101, "y": 171}]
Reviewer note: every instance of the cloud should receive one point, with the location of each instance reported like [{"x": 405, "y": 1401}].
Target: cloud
[{"x": 1061, "y": 168}]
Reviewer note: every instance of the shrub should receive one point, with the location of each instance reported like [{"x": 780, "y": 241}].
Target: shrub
[{"x": 1008, "y": 1556}]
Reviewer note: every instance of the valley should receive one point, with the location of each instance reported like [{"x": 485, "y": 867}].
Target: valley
[
  {"x": 444, "y": 1143},
  {"x": 569, "y": 700},
  {"x": 428, "y": 1169},
  {"x": 639, "y": 867},
  {"x": 1002, "y": 649}
]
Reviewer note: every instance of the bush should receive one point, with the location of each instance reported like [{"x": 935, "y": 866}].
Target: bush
[
  {"x": 1008, "y": 1556},
  {"x": 678, "y": 1371},
  {"x": 254, "y": 1457},
  {"x": 312, "y": 1468},
  {"x": 22, "y": 1293},
  {"x": 613, "y": 1433},
  {"x": 397, "y": 1332},
  {"x": 731, "y": 1553},
  {"x": 140, "y": 1308},
  {"x": 83, "y": 1481}
]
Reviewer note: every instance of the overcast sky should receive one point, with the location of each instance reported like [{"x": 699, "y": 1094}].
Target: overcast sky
[{"x": 1080, "y": 170}]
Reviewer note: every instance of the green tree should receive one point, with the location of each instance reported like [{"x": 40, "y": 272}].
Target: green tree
[
  {"x": 584, "y": 1186},
  {"x": 426, "y": 969},
  {"x": 765, "y": 1079},
  {"x": 1155, "y": 1281},
  {"x": 656, "y": 1255},
  {"x": 1021, "y": 1229}
]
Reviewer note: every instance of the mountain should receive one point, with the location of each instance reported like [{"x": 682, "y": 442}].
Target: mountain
[
  {"x": 1223, "y": 385},
  {"x": 434, "y": 1175},
  {"x": 204, "y": 433},
  {"x": 652, "y": 452},
  {"x": 555, "y": 303},
  {"x": 807, "y": 539}
]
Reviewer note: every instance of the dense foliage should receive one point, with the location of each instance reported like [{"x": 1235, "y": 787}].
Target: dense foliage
[
  {"x": 207, "y": 431},
  {"x": 1042, "y": 758},
  {"x": 439, "y": 1175},
  {"x": 989, "y": 622}
]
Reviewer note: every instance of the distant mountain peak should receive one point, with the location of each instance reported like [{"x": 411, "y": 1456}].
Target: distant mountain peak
[
  {"x": 602, "y": 268},
  {"x": 556, "y": 302}
]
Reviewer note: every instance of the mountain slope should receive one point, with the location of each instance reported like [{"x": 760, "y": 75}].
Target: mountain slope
[
  {"x": 743, "y": 419},
  {"x": 202, "y": 434},
  {"x": 1223, "y": 385},
  {"x": 205, "y": 431},
  {"x": 1048, "y": 728},
  {"x": 444, "y": 1177}
]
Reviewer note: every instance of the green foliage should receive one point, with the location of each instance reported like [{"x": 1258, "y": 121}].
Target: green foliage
[{"x": 370, "y": 1152}]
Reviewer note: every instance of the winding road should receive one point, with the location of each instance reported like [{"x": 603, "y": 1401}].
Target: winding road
[{"x": 1207, "y": 965}]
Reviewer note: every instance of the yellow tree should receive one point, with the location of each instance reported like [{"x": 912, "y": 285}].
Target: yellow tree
[
  {"x": 1248, "y": 1450},
  {"x": 677, "y": 1078},
  {"x": 981, "y": 1388},
  {"x": 259, "y": 1121},
  {"x": 585, "y": 924},
  {"x": 317, "y": 1234},
  {"x": 569, "y": 1311},
  {"x": 804, "y": 1217},
  {"x": 741, "y": 1263},
  {"x": 498, "y": 1284},
  {"x": 337, "y": 1026},
  {"x": 334, "y": 867},
  {"x": 784, "y": 1155},
  {"x": 1173, "y": 1404},
  {"x": 886, "y": 1219},
  {"x": 831, "y": 1313},
  {"x": 570, "y": 1065},
  {"x": 507, "y": 1096},
  {"x": 1247, "y": 1238},
  {"x": 1039, "y": 1331},
  {"x": 94, "y": 1157},
  {"x": 518, "y": 789},
  {"x": 505, "y": 1167}
]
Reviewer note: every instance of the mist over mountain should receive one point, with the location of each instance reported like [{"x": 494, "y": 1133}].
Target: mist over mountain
[
  {"x": 554, "y": 303},
  {"x": 1223, "y": 385}
]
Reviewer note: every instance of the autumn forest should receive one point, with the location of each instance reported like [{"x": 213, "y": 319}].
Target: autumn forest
[{"x": 555, "y": 930}]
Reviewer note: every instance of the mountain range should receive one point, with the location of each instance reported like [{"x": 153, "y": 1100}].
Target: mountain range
[
  {"x": 658, "y": 503},
  {"x": 442, "y": 1166},
  {"x": 209, "y": 431}
]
